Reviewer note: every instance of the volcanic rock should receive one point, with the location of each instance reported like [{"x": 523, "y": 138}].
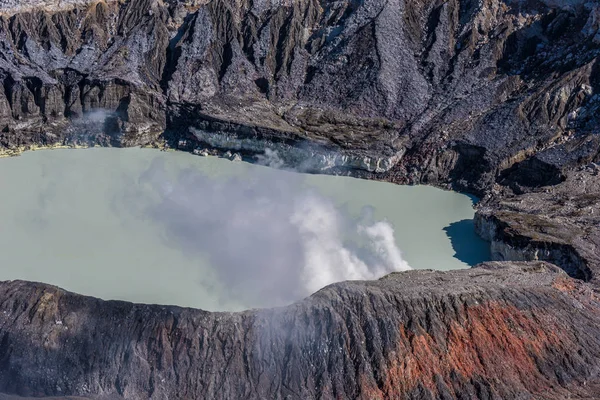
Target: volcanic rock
[
  {"x": 498, "y": 98},
  {"x": 501, "y": 330}
]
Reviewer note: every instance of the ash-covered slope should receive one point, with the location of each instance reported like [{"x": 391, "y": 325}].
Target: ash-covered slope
[
  {"x": 440, "y": 92},
  {"x": 496, "y": 97},
  {"x": 495, "y": 331}
]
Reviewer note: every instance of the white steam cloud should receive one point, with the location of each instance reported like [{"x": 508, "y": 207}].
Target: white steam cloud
[
  {"x": 270, "y": 158},
  {"x": 271, "y": 240},
  {"x": 97, "y": 115}
]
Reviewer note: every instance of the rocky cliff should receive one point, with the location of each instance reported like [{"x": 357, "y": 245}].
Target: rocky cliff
[
  {"x": 442, "y": 92},
  {"x": 492, "y": 332},
  {"x": 499, "y": 98}
]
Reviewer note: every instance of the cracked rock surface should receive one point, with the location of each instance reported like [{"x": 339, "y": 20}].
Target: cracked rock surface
[
  {"x": 499, "y": 98},
  {"x": 500, "y": 330}
]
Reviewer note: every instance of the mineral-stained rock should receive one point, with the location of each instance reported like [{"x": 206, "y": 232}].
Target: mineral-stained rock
[
  {"x": 511, "y": 330},
  {"x": 499, "y": 98}
]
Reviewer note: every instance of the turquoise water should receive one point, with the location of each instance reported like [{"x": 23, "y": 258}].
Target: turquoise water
[{"x": 129, "y": 224}]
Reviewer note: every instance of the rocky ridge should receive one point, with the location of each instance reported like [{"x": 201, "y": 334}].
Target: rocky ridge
[
  {"x": 499, "y": 98},
  {"x": 523, "y": 330}
]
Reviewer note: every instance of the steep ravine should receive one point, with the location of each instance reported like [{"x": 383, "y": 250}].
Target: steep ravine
[{"x": 498, "y": 98}]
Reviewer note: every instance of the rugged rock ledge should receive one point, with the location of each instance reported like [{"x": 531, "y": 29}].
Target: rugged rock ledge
[
  {"x": 513, "y": 330},
  {"x": 449, "y": 93},
  {"x": 558, "y": 223},
  {"x": 499, "y": 98}
]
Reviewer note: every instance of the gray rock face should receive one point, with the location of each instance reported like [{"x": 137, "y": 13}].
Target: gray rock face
[
  {"x": 462, "y": 90},
  {"x": 499, "y": 98},
  {"x": 103, "y": 61},
  {"x": 554, "y": 223}
]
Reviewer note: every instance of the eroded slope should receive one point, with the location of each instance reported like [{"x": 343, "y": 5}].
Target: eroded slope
[
  {"x": 495, "y": 331},
  {"x": 496, "y": 97},
  {"x": 442, "y": 92}
]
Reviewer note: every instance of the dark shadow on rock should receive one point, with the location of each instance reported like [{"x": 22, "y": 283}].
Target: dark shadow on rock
[{"x": 468, "y": 246}]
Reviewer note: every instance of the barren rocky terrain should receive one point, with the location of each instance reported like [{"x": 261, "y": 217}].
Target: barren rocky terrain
[
  {"x": 519, "y": 330},
  {"x": 499, "y": 98}
]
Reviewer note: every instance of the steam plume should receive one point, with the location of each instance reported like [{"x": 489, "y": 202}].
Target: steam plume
[{"x": 271, "y": 240}]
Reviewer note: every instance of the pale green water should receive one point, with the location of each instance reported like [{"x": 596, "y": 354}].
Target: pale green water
[{"x": 75, "y": 218}]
